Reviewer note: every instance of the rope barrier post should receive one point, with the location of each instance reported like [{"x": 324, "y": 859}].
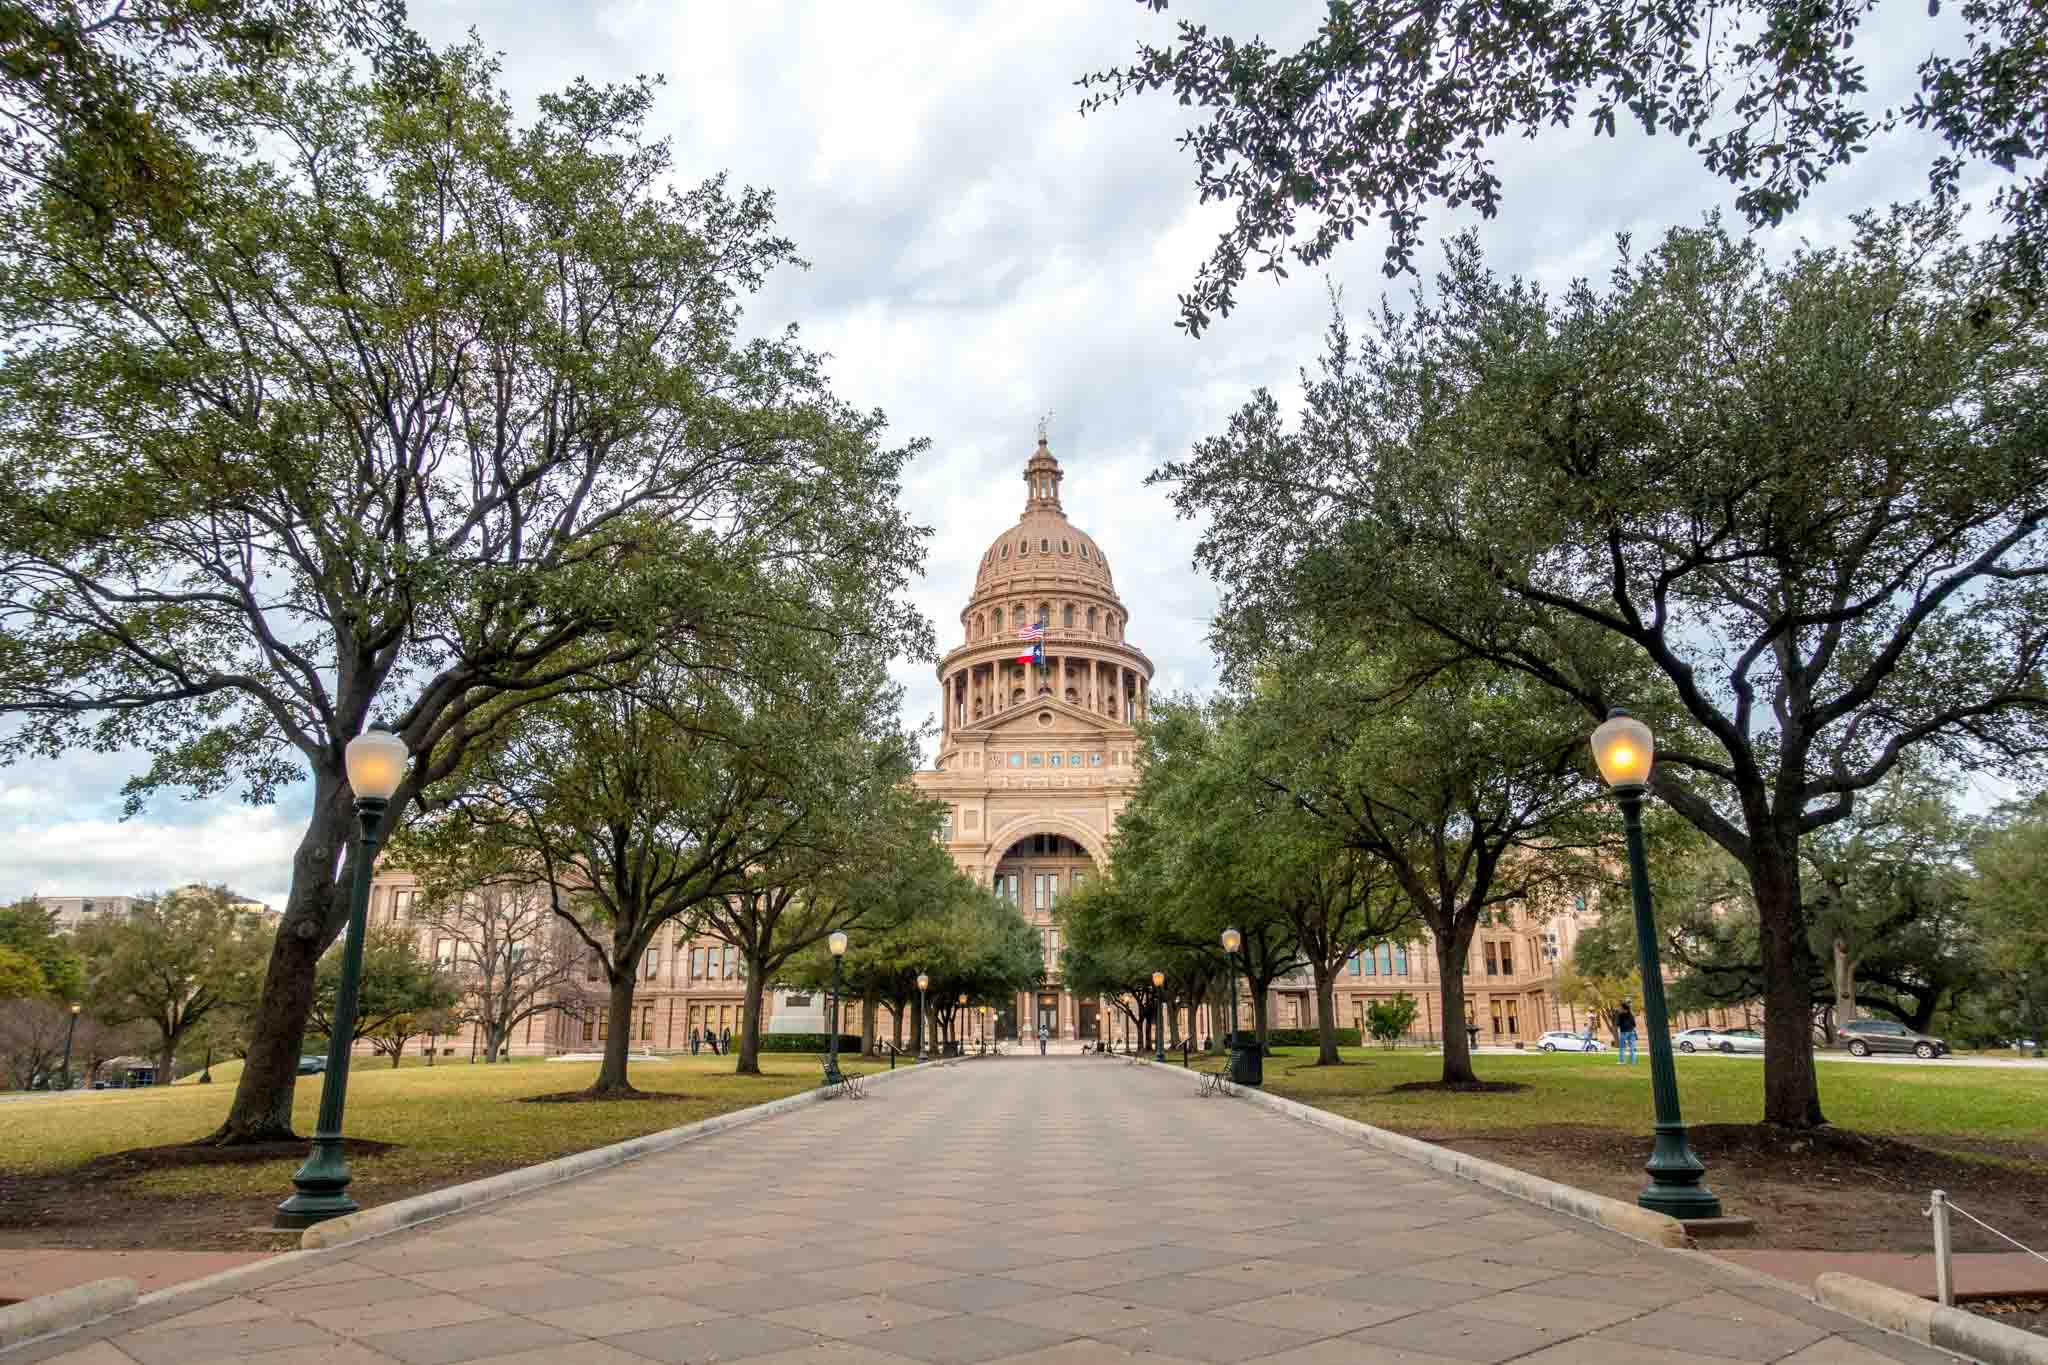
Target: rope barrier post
[{"x": 1944, "y": 1270}]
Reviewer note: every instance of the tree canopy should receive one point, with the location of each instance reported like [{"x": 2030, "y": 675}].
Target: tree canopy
[
  {"x": 1791, "y": 514},
  {"x": 1393, "y": 109}
]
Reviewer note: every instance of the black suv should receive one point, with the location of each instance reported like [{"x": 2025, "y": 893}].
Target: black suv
[{"x": 1866, "y": 1036}]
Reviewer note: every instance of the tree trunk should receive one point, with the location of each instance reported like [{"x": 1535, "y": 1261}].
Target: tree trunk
[
  {"x": 313, "y": 918},
  {"x": 1326, "y": 1014},
  {"x": 1791, "y": 1084},
  {"x": 618, "y": 1041},
  {"x": 1845, "y": 986},
  {"x": 1450, "y": 970},
  {"x": 1260, "y": 1027},
  {"x": 397, "y": 1051},
  {"x": 749, "y": 1063},
  {"x": 166, "y": 1062},
  {"x": 870, "y": 1034},
  {"x": 896, "y": 1025}
]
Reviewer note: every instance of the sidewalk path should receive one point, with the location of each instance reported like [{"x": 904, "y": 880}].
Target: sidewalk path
[
  {"x": 1064, "y": 1213},
  {"x": 26, "y": 1273},
  {"x": 1979, "y": 1274}
]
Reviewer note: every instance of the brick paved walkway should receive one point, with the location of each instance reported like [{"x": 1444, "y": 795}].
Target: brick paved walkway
[{"x": 1059, "y": 1212}]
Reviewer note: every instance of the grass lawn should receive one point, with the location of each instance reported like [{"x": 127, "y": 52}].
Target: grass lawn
[
  {"x": 1899, "y": 1131},
  {"x": 1571, "y": 1088},
  {"x": 448, "y": 1123}
]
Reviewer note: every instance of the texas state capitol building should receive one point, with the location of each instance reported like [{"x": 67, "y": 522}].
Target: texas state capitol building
[{"x": 1034, "y": 764}]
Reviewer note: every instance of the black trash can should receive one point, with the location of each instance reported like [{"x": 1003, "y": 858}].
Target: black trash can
[
  {"x": 1247, "y": 1061},
  {"x": 950, "y": 1048}
]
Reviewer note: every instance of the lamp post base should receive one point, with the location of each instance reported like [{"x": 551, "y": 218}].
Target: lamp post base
[
  {"x": 322, "y": 1188},
  {"x": 1676, "y": 1183}
]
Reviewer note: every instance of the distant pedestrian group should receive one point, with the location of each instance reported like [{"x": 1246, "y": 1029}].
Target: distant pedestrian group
[{"x": 720, "y": 1044}]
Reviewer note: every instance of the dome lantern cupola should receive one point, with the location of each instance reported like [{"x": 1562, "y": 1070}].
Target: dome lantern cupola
[{"x": 1042, "y": 480}]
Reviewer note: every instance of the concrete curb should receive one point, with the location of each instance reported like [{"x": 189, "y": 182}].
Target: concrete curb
[
  {"x": 421, "y": 1208},
  {"x": 67, "y": 1308},
  {"x": 1655, "y": 1228},
  {"x": 1951, "y": 1329}
]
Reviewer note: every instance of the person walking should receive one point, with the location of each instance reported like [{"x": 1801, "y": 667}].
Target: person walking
[
  {"x": 1592, "y": 1017},
  {"x": 696, "y": 1040},
  {"x": 1624, "y": 1036},
  {"x": 1041, "y": 1040},
  {"x": 725, "y": 1042}
]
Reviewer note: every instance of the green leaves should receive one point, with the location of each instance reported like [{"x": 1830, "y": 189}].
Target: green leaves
[{"x": 1392, "y": 108}]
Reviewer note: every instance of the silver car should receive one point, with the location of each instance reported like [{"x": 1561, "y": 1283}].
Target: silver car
[
  {"x": 1693, "y": 1039},
  {"x": 1562, "y": 1040},
  {"x": 1735, "y": 1040}
]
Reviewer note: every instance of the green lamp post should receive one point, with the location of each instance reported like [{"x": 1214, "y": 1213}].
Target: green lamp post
[
  {"x": 1159, "y": 1028},
  {"x": 1624, "y": 748},
  {"x": 1232, "y": 941},
  {"x": 924, "y": 1017},
  {"x": 376, "y": 762},
  {"x": 837, "y": 943},
  {"x": 70, "y": 1029}
]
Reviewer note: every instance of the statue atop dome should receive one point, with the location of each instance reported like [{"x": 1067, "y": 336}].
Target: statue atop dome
[{"x": 1044, "y": 422}]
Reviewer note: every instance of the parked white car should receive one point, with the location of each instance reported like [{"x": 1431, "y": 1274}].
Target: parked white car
[
  {"x": 1693, "y": 1039},
  {"x": 1562, "y": 1040},
  {"x": 1734, "y": 1040}
]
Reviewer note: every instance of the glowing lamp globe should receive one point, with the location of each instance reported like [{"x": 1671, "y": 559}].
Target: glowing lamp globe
[
  {"x": 923, "y": 981},
  {"x": 376, "y": 761},
  {"x": 1159, "y": 978},
  {"x": 1624, "y": 749},
  {"x": 837, "y": 943},
  {"x": 1232, "y": 940}
]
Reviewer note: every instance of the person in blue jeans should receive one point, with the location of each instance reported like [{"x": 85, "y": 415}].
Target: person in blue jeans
[{"x": 1624, "y": 1035}]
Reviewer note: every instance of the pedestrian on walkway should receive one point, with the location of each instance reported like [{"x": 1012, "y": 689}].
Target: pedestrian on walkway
[
  {"x": 1624, "y": 1036},
  {"x": 1041, "y": 1040},
  {"x": 696, "y": 1040},
  {"x": 725, "y": 1042},
  {"x": 1591, "y": 1017}
]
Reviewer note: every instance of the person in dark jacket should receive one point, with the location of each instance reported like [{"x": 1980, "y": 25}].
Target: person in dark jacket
[{"x": 1624, "y": 1036}]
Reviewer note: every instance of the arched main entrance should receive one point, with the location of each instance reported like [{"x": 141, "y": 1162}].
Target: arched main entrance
[{"x": 1034, "y": 872}]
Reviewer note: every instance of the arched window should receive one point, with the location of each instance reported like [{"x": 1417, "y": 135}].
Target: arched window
[
  {"x": 1006, "y": 550},
  {"x": 1066, "y": 546},
  {"x": 1091, "y": 618},
  {"x": 1023, "y": 547},
  {"x": 1045, "y": 612},
  {"x": 1045, "y": 545},
  {"x": 1067, "y": 617},
  {"x": 1084, "y": 549},
  {"x": 1017, "y": 614}
]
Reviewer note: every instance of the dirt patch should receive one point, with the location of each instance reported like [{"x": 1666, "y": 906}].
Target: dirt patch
[
  {"x": 1825, "y": 1189},
  {"x": 604, "y": 1096},
  {"x": 1460, "y": 1087},
  {"x": 177, "y": 1156}
]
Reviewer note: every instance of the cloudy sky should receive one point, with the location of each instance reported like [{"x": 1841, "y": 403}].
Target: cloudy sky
[{"x": 980, "y": 254}]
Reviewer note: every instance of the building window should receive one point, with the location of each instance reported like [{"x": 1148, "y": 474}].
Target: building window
[
  {"x": 1067, "y": 616},
  {"x": 1073, "y": 760},
  {"x": 1084, "y": 549},
  {"x": 1023, "y": 547},
  {"x": 1066, "y": 548},
  {"x": 1386, "y": 960},
  {"x": 1507, "y": 959},
  {"x": 1045, "y": 545},
  {"x": 1052, "y": 760},
  {"x": 726, "y": 956},
  {"x": 591, "y": 970},
  {"x": 1091, "y": 618},
  {"x": 647, "y": 1024},
  {"x": 1095, "y": 760},
  {"x": 1371, "y": 969},
  {"x": 1016, "y": 760},
  {"x": 604, "y": 1023},
  {"x": 1038, "y": 760},
  {"x": 1492, "y": 961},
  {"x": 1401, "y": 961},
  {"x": 1006, "y": 550},
  {"x": 1353, "y": 964},
  {"x": 1038, "y": 901},
  {"x": 589, "y": 1027},
  {"x": 653, "y": 968},
  {"x": 1079, "y": 878}
]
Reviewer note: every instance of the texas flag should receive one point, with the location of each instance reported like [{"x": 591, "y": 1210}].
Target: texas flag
[{"x": 1035, "y": 633}]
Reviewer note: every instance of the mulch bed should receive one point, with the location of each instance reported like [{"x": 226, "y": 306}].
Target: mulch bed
[{"x": 1819, "y": 1189}]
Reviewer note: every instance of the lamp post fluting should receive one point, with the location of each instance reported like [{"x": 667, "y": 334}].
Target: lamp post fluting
[
  {"x": 924, "y": 1019},
  {"x": 837, "y": 943},
  {"x": 70, "y": 1029},
  {"x": 1232, "y": 941},
  {"x": 2027, "y": 1015},
  {"x": 376, "y": 762},
  {"x": 1159, "y": 1029},
  {"x": 1624, "y": 749}
]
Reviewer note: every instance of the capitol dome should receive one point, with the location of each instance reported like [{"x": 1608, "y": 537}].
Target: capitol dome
[{"x": 1043, "y": 540}]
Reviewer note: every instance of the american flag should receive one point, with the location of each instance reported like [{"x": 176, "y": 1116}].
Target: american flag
[{"x": 1034, "y": 631}]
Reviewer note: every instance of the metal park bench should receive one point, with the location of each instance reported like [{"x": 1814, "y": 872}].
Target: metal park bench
[
  {"x": 1214, "y": 1083},
  {"x": 850, "y": 1084}
]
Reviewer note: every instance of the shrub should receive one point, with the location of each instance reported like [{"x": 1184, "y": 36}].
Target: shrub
[
  {"x": 808, "y": 1042},
  {"x": 1308, "y": 1037}
]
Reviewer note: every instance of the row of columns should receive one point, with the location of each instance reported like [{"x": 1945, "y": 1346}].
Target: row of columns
[{"x": 998, "y": 680}]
